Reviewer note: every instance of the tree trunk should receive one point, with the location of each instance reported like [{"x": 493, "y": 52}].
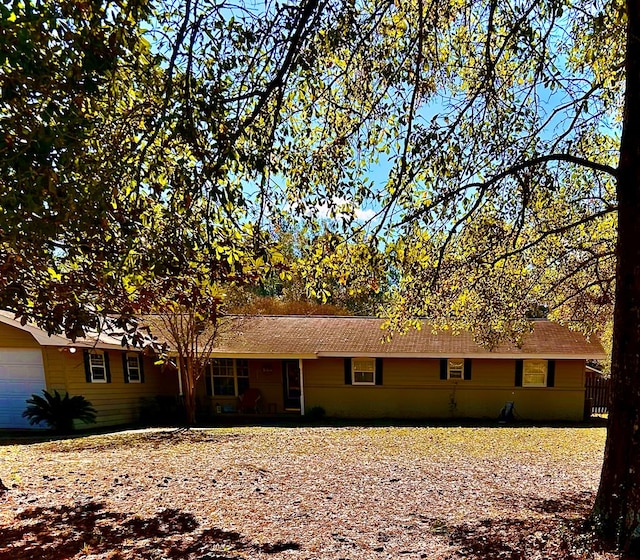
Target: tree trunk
[
  {"x": 190, "y": 407},
  {"x": 189, "y": 391},
  {"x": 617, "y": 508},
  {"x": 190, "y": 401}
]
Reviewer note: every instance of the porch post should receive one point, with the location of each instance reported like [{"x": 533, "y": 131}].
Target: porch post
[{"x": 301, "y": 387}]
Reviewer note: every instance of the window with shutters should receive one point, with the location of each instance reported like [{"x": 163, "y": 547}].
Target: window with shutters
[
  {"x": 230, "y": 377},
  {"x": 455, "y": 369},
  {"x": 363, "y": 371},
  {"x": 97, "y": 366},
  {"x": 133, "y": 367},
  {"x": 534, "y": 373}
]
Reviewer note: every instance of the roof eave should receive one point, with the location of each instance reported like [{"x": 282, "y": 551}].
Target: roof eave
[
  {"x": 476, "y": 355},
  {"x": 264, "y": 355}
]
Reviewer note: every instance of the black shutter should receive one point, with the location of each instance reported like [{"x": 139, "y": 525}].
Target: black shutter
[
  {"x": 87, "y": 367},
  {"x": 141, "y": 362},
  {"x": 551, "y": 373},
  {"x": 443, "y": 368},
  {"x": 467, "y": 369},
  {"x": 519, "y": 373},
  {"x": 378, "y": 371},
  {"x": 125, "y": 369},
  {"x": 107, "y": 369},
  {"x": 347, "y": 372}
]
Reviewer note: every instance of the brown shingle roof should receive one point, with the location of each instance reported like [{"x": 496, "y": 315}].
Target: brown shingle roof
[
  {"x": 312, "y": 336},
  {"x": 92, "y": 340}
]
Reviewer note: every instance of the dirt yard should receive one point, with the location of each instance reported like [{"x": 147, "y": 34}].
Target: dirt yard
[{"x": 303, "y": 493}]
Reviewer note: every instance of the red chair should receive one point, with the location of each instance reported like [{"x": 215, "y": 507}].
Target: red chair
[{"x": 250, "y": 401}]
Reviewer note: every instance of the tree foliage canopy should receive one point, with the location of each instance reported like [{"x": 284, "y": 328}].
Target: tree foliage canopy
[
  {"x": 499, "y": 125},
  {"x": 144, "y": 140},
  {"x": 104, "y": 194}
]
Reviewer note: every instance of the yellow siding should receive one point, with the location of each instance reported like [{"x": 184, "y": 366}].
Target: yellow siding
[
  {"x": 325, "y": 373},
  {"x": 116, "y": 402},
  {"x": 412, "y": 389},
  {"x": 570, "y": 374},
  {"x": 12, "y": 337},
  {"x": 492, "y": 373},
  {"x": 56, "y": 364}
]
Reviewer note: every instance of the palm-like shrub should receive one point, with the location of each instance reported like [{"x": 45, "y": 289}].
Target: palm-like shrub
[{"x": 58, "y": 411}]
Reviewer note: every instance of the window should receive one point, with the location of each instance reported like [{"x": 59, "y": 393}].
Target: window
[
  {"x": 455, "y": 369},
  {"x": 97, "y": 367},
  {"x": 363, "y": 371},
  {"x": 132, "y": 368},
  {"x": 534, "y": 373},
  {"x": 223, "y": 383},
  {"x": 242, "y": 375},
  {"x": 230, "y": 377}
]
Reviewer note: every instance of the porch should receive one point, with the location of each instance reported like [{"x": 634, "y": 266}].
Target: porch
[{"x": 233, "y": 387}]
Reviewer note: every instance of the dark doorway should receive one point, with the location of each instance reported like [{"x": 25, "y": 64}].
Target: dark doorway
[{"x": 291, "y": 383}]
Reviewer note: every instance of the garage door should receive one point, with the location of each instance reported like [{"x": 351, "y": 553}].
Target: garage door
[{"x": 21, "y": 375}]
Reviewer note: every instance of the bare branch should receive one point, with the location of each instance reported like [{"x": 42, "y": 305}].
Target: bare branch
[{"x": 577, "y": 160}]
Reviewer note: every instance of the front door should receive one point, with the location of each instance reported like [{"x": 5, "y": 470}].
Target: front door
[{"x": 291, "y": 382}]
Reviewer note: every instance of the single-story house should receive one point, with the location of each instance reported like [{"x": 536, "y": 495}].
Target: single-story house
[
  {"x": 113, "y": 378},
  {"x": 341, "y": 364}
]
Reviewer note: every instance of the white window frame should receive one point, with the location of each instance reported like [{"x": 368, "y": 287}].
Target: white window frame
[
  {"x": 240, "y": 371},
  {"x": 533, "y": 364},
  {"x": 455, "y": 369},
  {"x": 237, "y": 371},
  {"x": 138, "y": 369},
  {"x": 98, "y": 353},
  {"x": 363, "y": 366}
]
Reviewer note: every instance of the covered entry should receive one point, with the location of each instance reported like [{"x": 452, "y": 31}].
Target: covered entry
[{"x": 292, "y": 384}]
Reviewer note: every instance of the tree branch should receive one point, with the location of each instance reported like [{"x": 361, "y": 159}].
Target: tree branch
[{"x": 577, "y": 160}]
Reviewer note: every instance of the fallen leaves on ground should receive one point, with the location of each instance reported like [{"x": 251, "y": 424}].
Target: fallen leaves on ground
[{"x": 304, "y": 493}]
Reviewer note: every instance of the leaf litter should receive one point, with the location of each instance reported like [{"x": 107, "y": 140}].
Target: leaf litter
[{"x": 330, "y": 493}]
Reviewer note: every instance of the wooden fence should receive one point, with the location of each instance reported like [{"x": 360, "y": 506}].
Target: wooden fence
[{"x": 597, "y": 392}]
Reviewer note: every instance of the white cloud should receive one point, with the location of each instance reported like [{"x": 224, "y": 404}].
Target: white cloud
[{"x": 342, "y": 207}]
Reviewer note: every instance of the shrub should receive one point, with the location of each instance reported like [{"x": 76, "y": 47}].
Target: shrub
[
  {"x": 59, "y": 412},
  {"x": 317, "y": 413},
  {"x": 161, "y": 410}
]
